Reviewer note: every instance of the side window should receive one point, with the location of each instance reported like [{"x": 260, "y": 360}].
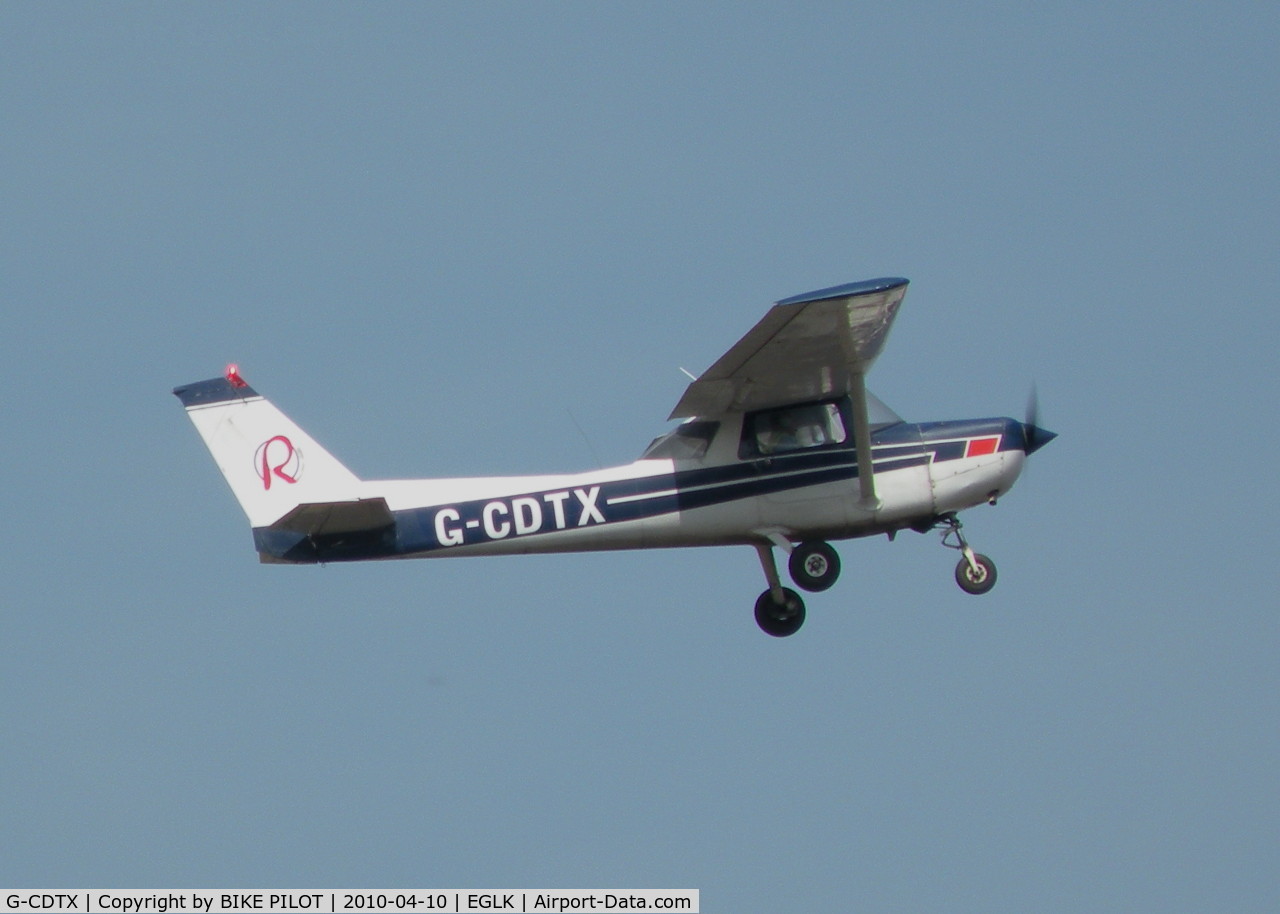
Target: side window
[{"x": 791, "y": 428}]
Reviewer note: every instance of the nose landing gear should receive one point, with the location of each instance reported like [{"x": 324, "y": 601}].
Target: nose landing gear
[{"x": 975, "y": 573}]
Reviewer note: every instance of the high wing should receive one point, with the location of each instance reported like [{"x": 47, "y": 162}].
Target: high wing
[
  {"x": 807, "y": 347},
  {"x": 815, "y": 345}
]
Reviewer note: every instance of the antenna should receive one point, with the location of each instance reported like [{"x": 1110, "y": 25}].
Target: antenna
[
  {"x": 591, "y": 447},
  {"x": 689, "y": 374}
]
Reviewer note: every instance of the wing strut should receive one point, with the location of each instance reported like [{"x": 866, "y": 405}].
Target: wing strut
[{"x": 862, "y": 442}]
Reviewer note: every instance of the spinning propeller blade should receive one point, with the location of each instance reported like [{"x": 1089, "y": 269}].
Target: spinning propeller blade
[{"x": 1035, "y": 436}]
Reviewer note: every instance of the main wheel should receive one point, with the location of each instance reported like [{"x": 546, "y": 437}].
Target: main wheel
[
  {"x": 814, "y": 566},
  {"x": 978, "y": 580},
  {"x": 780, "y": 619}
]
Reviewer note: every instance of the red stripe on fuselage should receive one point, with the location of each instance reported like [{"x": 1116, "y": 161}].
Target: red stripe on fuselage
[{"x": 981, "y": 447}]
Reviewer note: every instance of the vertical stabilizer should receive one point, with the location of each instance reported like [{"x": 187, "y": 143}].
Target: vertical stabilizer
[{"x": 270, "y": 463}]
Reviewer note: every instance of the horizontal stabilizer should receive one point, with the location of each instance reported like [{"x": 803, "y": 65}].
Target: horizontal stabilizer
[
  {"x": 337, "y": 517},
  {"x": 332, "y": 531}
]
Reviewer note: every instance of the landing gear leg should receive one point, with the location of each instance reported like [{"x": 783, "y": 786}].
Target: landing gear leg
[
  {"x": 975, "y": 573},
  {"x": 779, "y": 610}
]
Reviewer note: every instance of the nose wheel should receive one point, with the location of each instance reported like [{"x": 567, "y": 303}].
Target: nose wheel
[
  {"x": 976, "y": 576},
  {"x": 975, "y": 573}
]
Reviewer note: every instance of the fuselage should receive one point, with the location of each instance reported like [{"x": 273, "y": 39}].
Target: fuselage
[{"x": 704, "y": 484}]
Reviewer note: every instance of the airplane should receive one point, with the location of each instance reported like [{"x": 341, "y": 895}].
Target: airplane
[{"x": 781, "y": 446}]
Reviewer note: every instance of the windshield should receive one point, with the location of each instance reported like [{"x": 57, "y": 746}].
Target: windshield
[
  {"x": 688, "y": 441},
  {"x": 879, "y": 415}
]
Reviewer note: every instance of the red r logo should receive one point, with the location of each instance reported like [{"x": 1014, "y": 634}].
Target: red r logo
[{"x": 277, "y": 457}]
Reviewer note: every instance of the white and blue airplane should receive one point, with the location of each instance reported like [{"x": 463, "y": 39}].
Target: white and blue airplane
[{"x": 782, "y": 446}]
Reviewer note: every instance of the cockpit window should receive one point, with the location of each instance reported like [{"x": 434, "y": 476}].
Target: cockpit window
[
  {"x": 688, "y": 441},
  {"x": 790, "y": 429}
]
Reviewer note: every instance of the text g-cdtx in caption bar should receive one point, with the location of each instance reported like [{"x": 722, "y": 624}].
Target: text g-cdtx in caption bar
[{"x": 377, "y": 901}]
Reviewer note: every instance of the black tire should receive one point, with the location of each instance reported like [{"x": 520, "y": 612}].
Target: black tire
[
  {"x": 982, "y": 581},
  {"x": 814, "y": 566},
  {"x": 780, "y": 620}
]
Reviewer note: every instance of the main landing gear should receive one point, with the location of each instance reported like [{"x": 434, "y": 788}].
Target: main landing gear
[{"x": 814, "y": 566}]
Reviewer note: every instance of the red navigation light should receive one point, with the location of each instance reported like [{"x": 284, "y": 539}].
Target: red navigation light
[{"x": 233, "y": 375}]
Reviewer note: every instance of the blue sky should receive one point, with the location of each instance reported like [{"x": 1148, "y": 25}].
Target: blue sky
[{"x": 461, "y": 239}]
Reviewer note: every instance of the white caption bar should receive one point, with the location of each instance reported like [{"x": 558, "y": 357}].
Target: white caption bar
[{"x": 377, "y": 901}]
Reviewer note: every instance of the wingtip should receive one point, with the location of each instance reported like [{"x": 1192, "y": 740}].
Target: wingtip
[{"x": 847, "y": 290}]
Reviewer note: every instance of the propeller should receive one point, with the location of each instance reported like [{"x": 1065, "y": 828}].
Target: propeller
[{"x": 1035, "y": 436}]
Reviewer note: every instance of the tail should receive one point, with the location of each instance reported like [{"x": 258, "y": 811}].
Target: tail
[{"x": 289, "y": 487}]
